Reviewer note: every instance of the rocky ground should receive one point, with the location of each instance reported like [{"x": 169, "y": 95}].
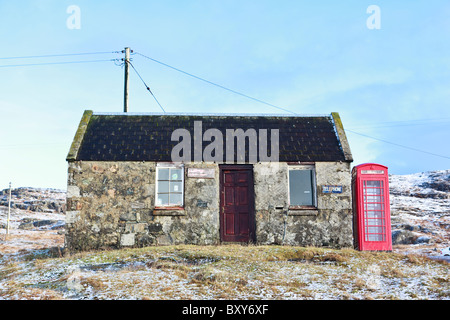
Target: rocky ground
[
  {"x": 36, "y": 219},
  {"x": 420, "y": 212}
]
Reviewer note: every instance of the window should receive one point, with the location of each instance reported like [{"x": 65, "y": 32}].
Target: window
[
  {"x": 302, "y": 186},
  {"x": 374, "y": 211},
  {"x": 169, "y": 185}
]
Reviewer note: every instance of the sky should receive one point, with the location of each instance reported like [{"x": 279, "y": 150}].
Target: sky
[{"x": 383, "y": 65}]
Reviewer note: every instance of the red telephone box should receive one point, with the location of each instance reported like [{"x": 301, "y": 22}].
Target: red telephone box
[{"x": 371, "y": 208}]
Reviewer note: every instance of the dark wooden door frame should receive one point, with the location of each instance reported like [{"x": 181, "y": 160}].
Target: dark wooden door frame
[{"x": 251, "y": 199}]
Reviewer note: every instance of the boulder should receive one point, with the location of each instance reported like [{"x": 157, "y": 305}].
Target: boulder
[
  {"x": 41, "y": 223},
  {"x": 403, "y": 237},
  {"x": 422, "y": 239},
  {"x": 26, "y": 225}
]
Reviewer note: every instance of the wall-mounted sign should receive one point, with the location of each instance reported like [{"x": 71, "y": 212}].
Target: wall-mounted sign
[
  {"x": 202, "y": 204},
  {"x": 372, "y": 171},
  {"x": 331, "y": 189},
  {"x": 201, "y": 173}
]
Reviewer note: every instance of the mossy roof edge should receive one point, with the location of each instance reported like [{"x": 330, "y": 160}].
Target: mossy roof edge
[
  {"x": 342, "y": 137},
  {"x": 79, "y": 135}
]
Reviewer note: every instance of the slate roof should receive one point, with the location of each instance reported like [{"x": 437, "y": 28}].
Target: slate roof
[{"x": 130, "y": 137}]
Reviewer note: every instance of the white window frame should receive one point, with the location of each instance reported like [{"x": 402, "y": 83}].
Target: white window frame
[
  {"x": 169, "y": 166},
  {"x": 312, "y": 168}
]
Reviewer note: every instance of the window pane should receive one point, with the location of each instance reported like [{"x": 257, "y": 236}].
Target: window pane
[
  {"x": 375, "y": 206},
  {"x": 176, "y": 199},
  {"x": 163, "y": 173},
  {"x": 374, "y": 237},
  {"x": 376, "y": 222},
  {"x": 163, "y": 186},
  {"x": 375, "y": 229},
  {"x": 376, "y": 184},
  {"x": 162, "y": 200},
  {"x": 374, "y": 199},
  {"x": 175, "y": 186},
  {"x": 373, "y": 191},
  {"x": 301, "y": 191},
  {"x": 375, "y": 214},
  {"x": 175, "y": 174}
]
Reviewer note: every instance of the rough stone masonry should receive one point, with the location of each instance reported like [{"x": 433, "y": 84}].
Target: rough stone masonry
[{"x": 112, "y": 204}]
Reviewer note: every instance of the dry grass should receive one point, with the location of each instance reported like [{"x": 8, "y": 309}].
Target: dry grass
[{"x": 223, "y": 272}]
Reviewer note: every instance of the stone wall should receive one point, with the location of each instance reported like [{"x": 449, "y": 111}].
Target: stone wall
[
  {"x": 112, "y": 204},
  {"x": 328, "y": 225}
]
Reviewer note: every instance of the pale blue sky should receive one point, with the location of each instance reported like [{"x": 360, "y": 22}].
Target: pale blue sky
[{"x": 311, "y": 57}]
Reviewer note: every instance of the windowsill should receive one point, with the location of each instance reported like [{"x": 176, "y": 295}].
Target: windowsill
[
  {"x": 303, "y": 211},
  {"x": 169, "y": 211},
  {"x": 302, "y": 208}
]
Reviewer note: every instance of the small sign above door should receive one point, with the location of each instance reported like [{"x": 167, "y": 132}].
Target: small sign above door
[{"x": 201, "y": 173}]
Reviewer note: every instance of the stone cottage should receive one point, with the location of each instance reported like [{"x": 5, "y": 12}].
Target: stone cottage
[{"x": 159, "y": 179}]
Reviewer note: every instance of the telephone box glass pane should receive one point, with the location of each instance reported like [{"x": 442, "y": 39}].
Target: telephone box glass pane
[{"x": 374, "y": 211}]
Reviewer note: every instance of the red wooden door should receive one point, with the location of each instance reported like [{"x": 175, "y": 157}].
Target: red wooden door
[{"x": 237, "y": 217}]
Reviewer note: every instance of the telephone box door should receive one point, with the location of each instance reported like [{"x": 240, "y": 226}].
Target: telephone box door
[{"x": 371, "y": 208}]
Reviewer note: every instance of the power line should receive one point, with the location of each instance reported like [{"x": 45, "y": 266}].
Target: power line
[
  {"x": 41, "y": 145},
  {"x": 215, "y": 84},
  {"x": 146, "y": 86},
  {"x": 269, "y": 104},
  {"x": 198, "y": 78},
  {"x": 398, "y": 145},
  {"x": 53, "y": 63},
  {"x": 403, "y": 123},
  {"x": 58, "y": 55}
]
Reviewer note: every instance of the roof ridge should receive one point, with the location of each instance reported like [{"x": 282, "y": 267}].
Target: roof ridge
[{"x": 209, "y": 114}]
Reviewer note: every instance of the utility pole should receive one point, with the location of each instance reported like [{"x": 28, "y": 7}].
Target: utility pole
[
  {"x": 9, "y": 212},
  {"x": 125, "y": 98}
]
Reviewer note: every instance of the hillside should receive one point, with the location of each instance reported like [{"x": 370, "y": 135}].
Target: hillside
[
  {"x": 32, "y": 265},
  {"x": 420, "y": 211}
]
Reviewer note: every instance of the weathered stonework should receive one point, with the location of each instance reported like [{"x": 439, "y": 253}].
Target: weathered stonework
[
  {"x": 328, "y": 225},
  {"x": 112, "y": 204}
]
